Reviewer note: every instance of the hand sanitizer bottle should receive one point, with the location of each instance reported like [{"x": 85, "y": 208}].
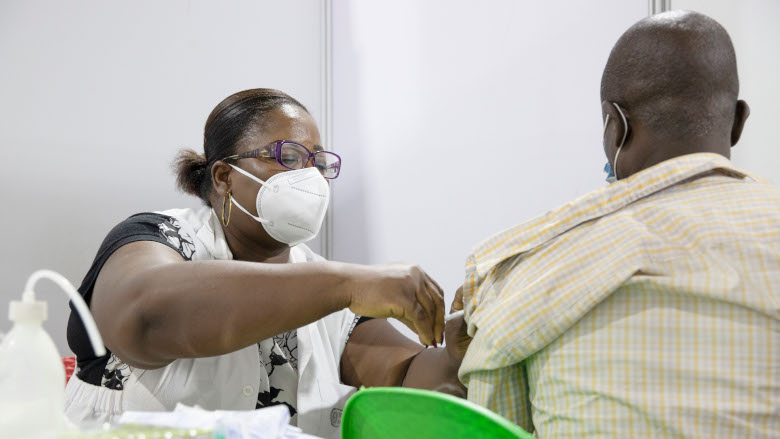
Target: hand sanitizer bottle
[{"x": 32, "y": 377}]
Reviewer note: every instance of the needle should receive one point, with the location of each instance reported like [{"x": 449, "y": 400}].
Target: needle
[{"x": 454, "y": 315}]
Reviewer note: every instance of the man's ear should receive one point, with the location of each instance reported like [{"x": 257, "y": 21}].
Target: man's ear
[
  {"x": 220, "y": 177},
  {"x": 614, "y": 129},
  {"x": 740, "y": 116}
]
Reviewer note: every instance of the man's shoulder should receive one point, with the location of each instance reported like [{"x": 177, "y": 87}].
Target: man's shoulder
[{"x": 602, "y": 202}]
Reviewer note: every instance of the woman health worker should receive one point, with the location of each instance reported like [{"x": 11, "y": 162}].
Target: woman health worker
[{"x": 226, "y": 308}]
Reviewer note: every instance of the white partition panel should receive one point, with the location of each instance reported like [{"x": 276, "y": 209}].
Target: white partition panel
[
  {"x": 753, "y": 27},
  {"x": 97, "y": 97},
  {"x": 457, "y": 119}
]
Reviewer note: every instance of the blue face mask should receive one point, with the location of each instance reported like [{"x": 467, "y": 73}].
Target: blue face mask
[{"x": 610, "y": 174}]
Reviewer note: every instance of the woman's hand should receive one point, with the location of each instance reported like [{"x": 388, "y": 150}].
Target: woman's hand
[
  {"x": 404, "y": 292},
  {"x": 456, "y": 334}
]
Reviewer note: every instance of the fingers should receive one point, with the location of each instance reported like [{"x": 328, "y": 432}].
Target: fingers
[
  {"x": 433, "y": 281},
  {"x": 423, "y": 319},
  {"x": 437, "y": 296},
  {"x": 421, "y": 323},
  {"x": 427, "y": 322},
  {"x": 457, "y": 303},
  {"x": 423, "y": 308},
  {"x": 409, "y": 324}
]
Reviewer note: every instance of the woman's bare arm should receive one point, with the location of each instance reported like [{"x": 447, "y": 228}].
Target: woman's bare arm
[{"x": 153, "y": 307}]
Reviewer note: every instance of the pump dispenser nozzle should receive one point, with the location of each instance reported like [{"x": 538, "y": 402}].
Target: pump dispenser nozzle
[{"x": 31, "y": 309}]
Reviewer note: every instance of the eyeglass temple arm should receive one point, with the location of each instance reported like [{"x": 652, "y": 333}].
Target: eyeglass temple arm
[{"x": 255, "y": 153}]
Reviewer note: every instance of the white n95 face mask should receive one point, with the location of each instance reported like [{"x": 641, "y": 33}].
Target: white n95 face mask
[{"x": 291, "y": 205}]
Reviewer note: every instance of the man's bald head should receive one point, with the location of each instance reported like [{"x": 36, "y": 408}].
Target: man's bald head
[{"x": 675, "y": 74}]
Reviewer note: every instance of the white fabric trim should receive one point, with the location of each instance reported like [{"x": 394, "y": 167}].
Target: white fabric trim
[{"x": 224, "y": 382}]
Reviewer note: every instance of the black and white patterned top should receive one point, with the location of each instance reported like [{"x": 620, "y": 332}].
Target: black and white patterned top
[{"x": 278, "y": 355}]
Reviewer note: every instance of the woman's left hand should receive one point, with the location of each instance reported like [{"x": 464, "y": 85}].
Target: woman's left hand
[{"x": 455, "y": 331}]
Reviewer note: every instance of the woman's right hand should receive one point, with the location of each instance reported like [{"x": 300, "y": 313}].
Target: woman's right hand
[{"x": 403, "y": 292}]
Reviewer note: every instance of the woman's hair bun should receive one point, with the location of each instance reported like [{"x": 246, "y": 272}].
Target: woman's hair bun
[{"x": 191, "y": 172}]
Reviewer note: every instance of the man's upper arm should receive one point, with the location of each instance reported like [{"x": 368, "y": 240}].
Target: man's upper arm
[{"x": 377, "y": 354}]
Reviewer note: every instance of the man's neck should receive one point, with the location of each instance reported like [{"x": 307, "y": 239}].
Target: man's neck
[{"x": 657, "y": 151}]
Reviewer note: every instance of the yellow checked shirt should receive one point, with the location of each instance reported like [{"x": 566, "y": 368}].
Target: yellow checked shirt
[{"x": 649, "y": 308}]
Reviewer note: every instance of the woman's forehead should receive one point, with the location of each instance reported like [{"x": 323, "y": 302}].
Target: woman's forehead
[{"x": 285, "y": 123}]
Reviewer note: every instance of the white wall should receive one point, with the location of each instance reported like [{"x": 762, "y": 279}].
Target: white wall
[
  {"x": 457, "y": 119},
  {"x": 754, "y": 30},
  {"x": 97, "y": 97}
]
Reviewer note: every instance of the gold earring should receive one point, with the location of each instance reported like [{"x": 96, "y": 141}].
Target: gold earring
[{"x": 230, "y": 209}]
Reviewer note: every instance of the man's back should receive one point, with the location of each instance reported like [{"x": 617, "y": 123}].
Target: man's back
[
  {"x": 650, "y": 307},
  {"x": 659, "y": 318},
  {"x": 689, "y": 348}
]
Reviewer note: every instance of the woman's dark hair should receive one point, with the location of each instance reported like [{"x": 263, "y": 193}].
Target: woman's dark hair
[{"x": 227, "y": 124}]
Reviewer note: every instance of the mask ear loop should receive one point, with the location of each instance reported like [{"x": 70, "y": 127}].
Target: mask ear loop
[
  {"x": 625, "y": 134},
  {"x": 240, "y": 207}
]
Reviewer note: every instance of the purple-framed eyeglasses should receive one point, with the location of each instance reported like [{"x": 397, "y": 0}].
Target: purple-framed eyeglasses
[{"x": 293, "y": 155}]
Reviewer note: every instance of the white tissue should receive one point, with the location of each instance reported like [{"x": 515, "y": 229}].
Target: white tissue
[{"x": 266, "y": 423}]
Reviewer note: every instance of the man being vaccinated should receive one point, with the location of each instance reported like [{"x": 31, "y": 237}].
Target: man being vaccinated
[{"x": 650, "y": 307}]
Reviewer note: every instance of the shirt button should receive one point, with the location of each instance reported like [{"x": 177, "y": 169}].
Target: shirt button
[{"x": 248, "y": 390}]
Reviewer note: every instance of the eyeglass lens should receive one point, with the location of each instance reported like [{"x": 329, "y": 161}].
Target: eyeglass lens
[
  {"x": 328, "y": 163},
  {"x": 294, "y": 156}
]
